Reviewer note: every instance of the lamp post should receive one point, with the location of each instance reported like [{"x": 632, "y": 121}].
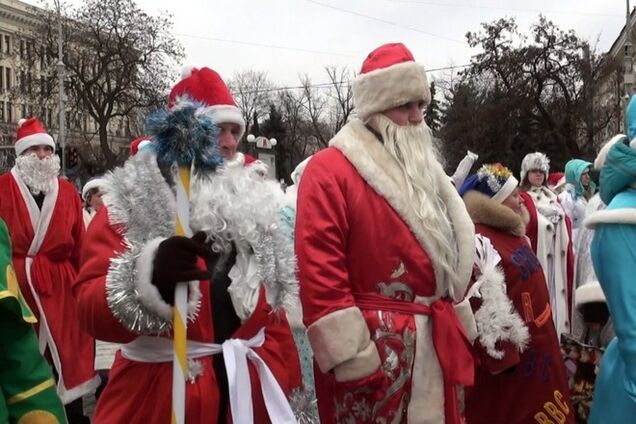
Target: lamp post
[{"x": 60, "y": 76}]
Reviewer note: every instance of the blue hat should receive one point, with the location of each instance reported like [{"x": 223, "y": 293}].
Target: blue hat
[{"x": 494, "y": 180}]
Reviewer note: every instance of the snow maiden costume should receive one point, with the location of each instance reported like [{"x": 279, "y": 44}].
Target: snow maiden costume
[
  {"x": 252, "y": 270},
  {"x": 614, "y": 258}
]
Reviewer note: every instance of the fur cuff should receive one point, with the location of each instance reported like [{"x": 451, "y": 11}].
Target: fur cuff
[
  {"x": 611, "y": 216},
  {"x": 386, "y": 88},
  {"x": 362, "y": 365},
  {"x": 149, "y": 295},
  {"x": 338, "y": 337}
]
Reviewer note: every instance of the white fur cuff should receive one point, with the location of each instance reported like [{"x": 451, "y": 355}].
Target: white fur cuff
[
  {"x": 611, "y": 216},
  {"x": 338, "y": 337},
  {"x": 149, "y": 295},
  {"x": 362, "y": 365}
]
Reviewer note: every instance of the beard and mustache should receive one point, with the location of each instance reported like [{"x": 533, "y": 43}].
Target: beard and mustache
[
  {"x": 38, "y": 174},
  {"x": 412, "y": 148}
]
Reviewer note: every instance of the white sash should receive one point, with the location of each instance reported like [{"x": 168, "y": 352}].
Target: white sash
[{"x": 236, "y": 352}]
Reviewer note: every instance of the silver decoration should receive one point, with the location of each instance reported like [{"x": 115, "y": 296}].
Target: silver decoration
[{"x": 142, "y": 207}]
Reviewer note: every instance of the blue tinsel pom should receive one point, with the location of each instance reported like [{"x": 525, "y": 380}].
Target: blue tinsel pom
[{"x": 184, "y": 135}]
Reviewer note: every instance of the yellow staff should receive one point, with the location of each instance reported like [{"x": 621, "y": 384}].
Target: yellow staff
[{"x": 180, "y": 310}]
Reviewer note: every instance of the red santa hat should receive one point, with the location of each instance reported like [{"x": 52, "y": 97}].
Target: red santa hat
[
  {"x": 206, "y": 86},
  {"x": 31, "y": 133},
  {"x": 556, "y": 180},
  {"x": 139, "y": 144},
  {"x": 536, "y": 161},
  {"x": 389, "y": 77}
]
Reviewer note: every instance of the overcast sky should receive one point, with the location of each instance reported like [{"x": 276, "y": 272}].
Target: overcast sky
[{"x": 286, "y": 38}]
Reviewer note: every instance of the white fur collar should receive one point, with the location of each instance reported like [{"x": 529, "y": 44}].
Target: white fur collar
[
  {"x": 611, "y": 216},
  {"x": 378, "y": 168}
]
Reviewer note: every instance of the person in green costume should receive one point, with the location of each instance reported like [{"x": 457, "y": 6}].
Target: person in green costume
[{"x": 27, "y": 387}]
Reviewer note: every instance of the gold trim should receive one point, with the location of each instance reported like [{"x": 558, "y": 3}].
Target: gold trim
[{"x": 31, "y": 392}]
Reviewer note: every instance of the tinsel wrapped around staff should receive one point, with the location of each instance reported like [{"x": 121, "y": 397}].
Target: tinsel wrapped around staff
[{"x": 185, "y": 141}]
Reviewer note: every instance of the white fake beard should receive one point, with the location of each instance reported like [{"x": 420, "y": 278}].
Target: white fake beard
[
  {"x": 38, "y": 174},
  {"x": 412, "y": 147}
]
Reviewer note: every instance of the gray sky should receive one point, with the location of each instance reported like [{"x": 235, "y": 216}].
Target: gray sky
[{"x": 234, "y": 35}]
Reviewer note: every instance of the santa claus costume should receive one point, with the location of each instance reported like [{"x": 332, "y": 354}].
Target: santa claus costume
[
  {"x": 238, "y": 311},
  {"x": 47, "y": 230},
  {"x": 376, "y": 297},
  {"x": 550, "y": 231},
  {"x": 521, "y": 380}
]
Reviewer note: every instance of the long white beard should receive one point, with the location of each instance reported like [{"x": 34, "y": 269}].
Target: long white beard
[
  {"x": 412, "y": 147},
  {"x": 38, "y": 174}
]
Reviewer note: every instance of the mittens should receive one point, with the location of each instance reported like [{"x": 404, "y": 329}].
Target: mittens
[{"x": 176, "y": 261}]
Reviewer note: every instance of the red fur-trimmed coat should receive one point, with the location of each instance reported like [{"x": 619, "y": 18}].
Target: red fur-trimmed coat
[
  {"x": 141, "y": 392},
  {"x": 59, "y": 229},
  {"x": 356, "y": 233}
]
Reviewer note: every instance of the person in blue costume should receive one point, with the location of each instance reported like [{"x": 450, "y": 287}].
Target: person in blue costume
[{"x": 614, "y": 259}]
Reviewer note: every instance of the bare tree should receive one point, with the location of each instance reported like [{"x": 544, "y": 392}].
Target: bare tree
[
  {"x": 118, "y": 61},
  {"x": 252, "y": 91}
]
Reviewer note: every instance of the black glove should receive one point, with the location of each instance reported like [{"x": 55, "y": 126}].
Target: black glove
[{"x": 176, "y": 262}]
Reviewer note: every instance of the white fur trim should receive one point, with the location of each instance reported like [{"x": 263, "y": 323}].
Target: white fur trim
[
  {"x": 69, "y": 395},
  {"x": 21, "y": 121},
  {"x": 611, "y": 216},
  {"x": 222, "y": 114},
  {"x": 385, "y": 88},
  {"x": 365, "y": 363},
  {"x": 505, "y": 191},
  {"x": 602, "y": 154},
  {"x": 186, "y": 71},
  {"x": 380, "y": 170},
  {"x": 466, "y": 316},
  {"x": 94, "y": 183},
  {"x": 237, "y": 161},
  {"x": 588, "y": 293},
  {"x": 338, "y": 337},
  {"x": 426, "y": 404},
  {"x": 149, "y": 295},
  {"x": 39, "y": 139}
]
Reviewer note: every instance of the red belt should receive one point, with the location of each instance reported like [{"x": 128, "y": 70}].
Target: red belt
[{"x": 453, "y": 349}]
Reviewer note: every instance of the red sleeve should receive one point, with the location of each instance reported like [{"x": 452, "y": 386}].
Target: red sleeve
[
  {"x": 321, "y": 234},
  {"x": 101, "y": 244}
]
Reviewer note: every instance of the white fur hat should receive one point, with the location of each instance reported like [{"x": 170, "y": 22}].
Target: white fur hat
[{"x": 535, "y": 161}]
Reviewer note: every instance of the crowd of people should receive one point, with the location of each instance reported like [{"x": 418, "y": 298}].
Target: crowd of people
[{"x": 375, "y": 289}]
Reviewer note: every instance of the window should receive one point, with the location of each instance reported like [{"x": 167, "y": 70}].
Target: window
[
  {"x": 7, "y": 44},
  {"x": 9, "y": 112},
  {"x": 22, "y": 49},
  {"x": 30, "y": 111},
  {"x": 7, "y": 73},
  {"x": 29, "y": 83},
  {"x": 42, "y": 55},
  {"x": 24, "y": 111},
  {"x": 1, "y": 77},
  {"x": 1, "y": 111},
  {"x": 22, "y": 82}
]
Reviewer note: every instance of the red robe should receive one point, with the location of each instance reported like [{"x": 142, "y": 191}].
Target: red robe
[
  {"x": 527, "y": 387},
  {"x": 364, "y": 264},
  {"x": 54, "y": 265},
  {"x": 532, "y": 233},
  {"x": 139, "y": 392}
]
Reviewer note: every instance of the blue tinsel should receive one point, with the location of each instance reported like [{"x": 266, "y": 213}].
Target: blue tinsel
[{"x": 184, "y": 136}]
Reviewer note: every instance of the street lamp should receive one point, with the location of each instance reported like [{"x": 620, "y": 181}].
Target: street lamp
[
  {"x": 263, "y": 146},
  {"x": 60, "y": 76}
]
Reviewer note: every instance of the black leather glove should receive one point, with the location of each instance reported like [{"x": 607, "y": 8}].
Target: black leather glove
[{"x": 176, "y": 262}]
